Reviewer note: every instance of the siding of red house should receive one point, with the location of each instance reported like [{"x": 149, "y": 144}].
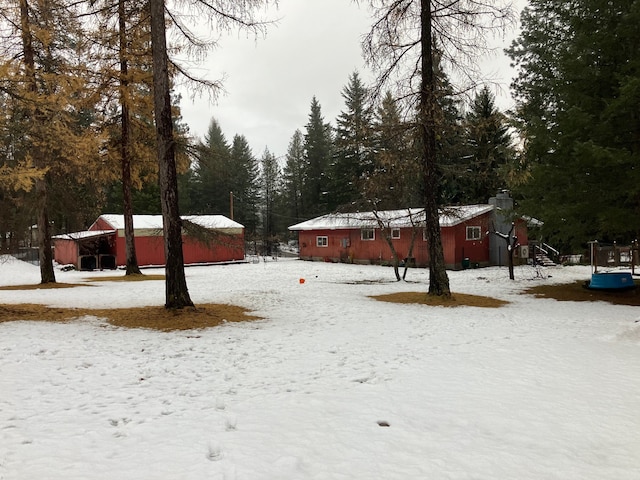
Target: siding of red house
[{"x": 347, "y": 245}]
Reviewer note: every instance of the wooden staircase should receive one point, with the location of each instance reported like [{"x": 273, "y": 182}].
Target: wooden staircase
[{"x": 543, "y": 253}]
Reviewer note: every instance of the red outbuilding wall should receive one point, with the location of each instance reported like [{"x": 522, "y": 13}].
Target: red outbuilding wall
[
  {"x": 66, "y": 251},
  {"x": 228, "y": 246},
  {"x": 150, "y": 250}
]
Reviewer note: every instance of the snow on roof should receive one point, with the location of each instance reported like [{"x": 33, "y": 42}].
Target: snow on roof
[
  {"x": 213, "y": 221},
  {"x": 407, "y": 217},
  {"x": 84, "y": 234},
  {"x": 151, "y": 222}
]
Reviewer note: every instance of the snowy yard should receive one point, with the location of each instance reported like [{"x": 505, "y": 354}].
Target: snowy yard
[{"x": 538, "y": 389}]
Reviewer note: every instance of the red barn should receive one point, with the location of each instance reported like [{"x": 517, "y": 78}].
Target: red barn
[
  {"x": 360, "y": 237},
  {"x": 103, "y": 245}
]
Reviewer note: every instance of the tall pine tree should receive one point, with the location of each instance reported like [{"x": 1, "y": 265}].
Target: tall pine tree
[
  {"x": 293, "y": 178},
  {"x": 270, "y": 192},
  {"x": 578, "y": 97},
  {"x": 393, "y": 182},
  {"x": 212, "y": 173},
  {"x": 318, "y": 142},
  {"x": 353, "y": 153},
  {"x": 490, "y": 148},
  {"x": 243, "y": 184}
]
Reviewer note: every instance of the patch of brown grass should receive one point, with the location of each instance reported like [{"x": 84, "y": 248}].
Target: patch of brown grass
[
  {"x": 126, "y": 278},
  {"x": 41, "y": 286},
  {"x": 112, "y": 278},
  {"x": 456, "y": 300},
  {"x": 156, "y": 318},
  {"x": 576, "y": 292}
]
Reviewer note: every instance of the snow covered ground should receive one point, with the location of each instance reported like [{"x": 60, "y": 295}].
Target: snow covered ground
[{"x": 538, "y": 389}]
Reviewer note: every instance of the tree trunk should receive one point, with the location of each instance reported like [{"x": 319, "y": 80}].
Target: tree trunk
[
  {"x": 45, "y": 254},
  {"x": 394, "y": 254},
  {"x": 132, "y": 267},
  {"x": 414, "y": 233},
  {"x": 438, "y": 279},
  {"x": 176, "y": 292},
  {"x": 386, "y": 234}
]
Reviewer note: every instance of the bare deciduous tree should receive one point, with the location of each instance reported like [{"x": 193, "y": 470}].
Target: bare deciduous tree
[
  {"x": 220, "y": 14},
  {"x": 401, "y": 46}
]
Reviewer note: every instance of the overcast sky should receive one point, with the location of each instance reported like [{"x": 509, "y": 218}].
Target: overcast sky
[{"x": 269, "y": 82}]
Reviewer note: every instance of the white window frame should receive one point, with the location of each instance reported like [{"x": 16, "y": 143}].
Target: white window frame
[
  {"x": 322, "y": 241},
  {"x": 366, "y": 238},
  {"x": 395, "y": 234},
  {"x": 473, "y": 232}
]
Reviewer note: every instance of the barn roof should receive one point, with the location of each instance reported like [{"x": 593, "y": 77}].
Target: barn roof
[
  {"x": 155, "y": 221},
  {"x": 407, "y": 217},
  {"x": 84, "y": 234}
]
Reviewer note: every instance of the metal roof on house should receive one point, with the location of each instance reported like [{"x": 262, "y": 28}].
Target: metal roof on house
[
  {"x": 407, "y": 217},
  {"x": 151, "y": 222},
  {"x": 84, "y": 234}
]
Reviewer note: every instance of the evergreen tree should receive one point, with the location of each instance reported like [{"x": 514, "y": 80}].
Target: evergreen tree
[
  {"x": 352, "y": 159},
  {"x": 453, "y": 157},
  {"x": 318, "y": 148},
  {"x": 212, "y": 173},
  {"x": 293, "y": 178},
  {"x": 270, "y": 191},
  {"x": 393, "y": 181},
  {"x": 578, "y": 97},
  {"x": 490, "y": 148},
  {"x": 244, "y": 177}
]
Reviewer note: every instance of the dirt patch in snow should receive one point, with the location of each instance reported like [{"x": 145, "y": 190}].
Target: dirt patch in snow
[
  {"x": 577, "y": 292},
  {"x": 456, "y": 300},
  {"x": 126, "y": 278},
  {"x": 42, "y": 286},
  {"x": 156, "y": 318}
]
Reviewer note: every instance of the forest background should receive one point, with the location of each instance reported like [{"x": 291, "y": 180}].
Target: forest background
[{"x": 568, "y": 151}]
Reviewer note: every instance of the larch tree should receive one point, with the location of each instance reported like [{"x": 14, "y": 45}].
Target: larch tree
[
  {"x": 220, "y": 14},
  {"x": 51, "y": 89},
  {"x": 176, "y": 291},
  {"x": 17, "y": 175},
  {"x": 122, "y": 40},
  {"x": 401, "y": 46}
]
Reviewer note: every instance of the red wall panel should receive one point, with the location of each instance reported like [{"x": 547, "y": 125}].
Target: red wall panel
[{"x": 347, "y": 246}]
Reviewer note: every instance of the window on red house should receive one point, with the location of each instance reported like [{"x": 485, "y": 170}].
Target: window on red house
[
  {"x": 367, "y": 234},
  {"x": 474, "y": 233}
]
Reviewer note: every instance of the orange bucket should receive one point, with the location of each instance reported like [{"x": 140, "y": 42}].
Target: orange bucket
[{"x": 301, "y": 281}]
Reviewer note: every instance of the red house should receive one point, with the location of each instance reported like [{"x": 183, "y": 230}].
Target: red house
[
  {"x": 360, "y": 237},
  {"x": 103, "y": 244}
]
